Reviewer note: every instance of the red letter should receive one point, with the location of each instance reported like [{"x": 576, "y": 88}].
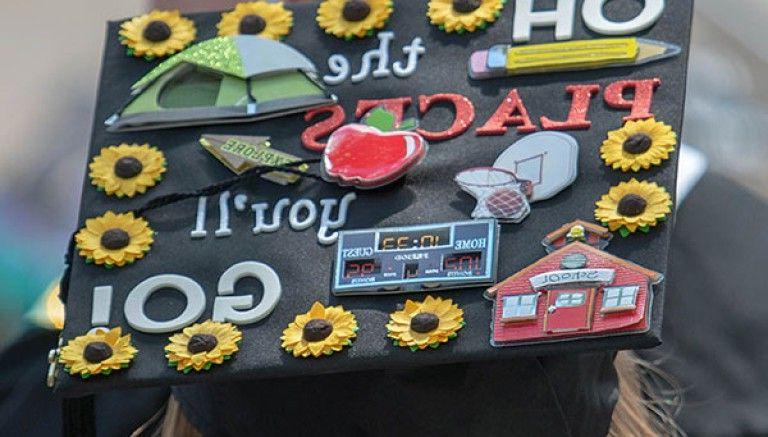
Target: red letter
[
  {"x": 640, "y": 104},
  {"x": 396, "y": 106},
  {"x": 323, "y": 128},
  {"x": 581, "y": 96},
  {"x": 511, "y": 112},
  {"x": 465, "y": 115}
]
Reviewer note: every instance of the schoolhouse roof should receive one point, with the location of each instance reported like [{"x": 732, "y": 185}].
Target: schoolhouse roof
[
  {"x": 654, "y": 277},
  {"x": 600, "y": 231}
]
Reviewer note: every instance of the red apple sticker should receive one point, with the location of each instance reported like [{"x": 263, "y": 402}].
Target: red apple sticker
[{"x": 365, "y": 156}]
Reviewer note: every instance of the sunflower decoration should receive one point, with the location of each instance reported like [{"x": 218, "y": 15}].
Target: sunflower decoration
[
  {"x": 639, "y": 144},
  {"x": 202, "y": 345},
  {"x": 114, "y": 239},
  {"x": 267, "y": 20},
  {"x": 127, "y": 170},
  {"x": 157, "y": 34},
  {"x": 353, "y": 18},
  {"x": 633, "y": 205},
  {"x": 100, "y": 352},
  {"x": 428, "y": 323},
  {"x": 463, "y": 15},
  {"x": 321, "y": 331}
]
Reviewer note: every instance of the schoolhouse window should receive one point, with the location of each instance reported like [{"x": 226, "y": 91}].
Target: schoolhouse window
[
  {"x": 519, "y": 307},
  {"x": 619, "y": 298},
  {"x": 570, "y": 299}
]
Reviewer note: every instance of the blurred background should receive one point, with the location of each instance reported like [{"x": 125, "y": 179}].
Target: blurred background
[{"x": 49, "y": 86}]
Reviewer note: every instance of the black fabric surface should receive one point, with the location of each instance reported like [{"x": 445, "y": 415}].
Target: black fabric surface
[{"x": 427, "y": 195}]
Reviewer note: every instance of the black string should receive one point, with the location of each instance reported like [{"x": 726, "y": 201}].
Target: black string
[
  {"x": 226, "y": 184},
  {"x": 78, "y": 417},
  {"x": 169, "y": 199}
]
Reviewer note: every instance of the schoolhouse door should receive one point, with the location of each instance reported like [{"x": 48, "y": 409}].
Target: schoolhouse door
[{"x": 569, "y": 310}]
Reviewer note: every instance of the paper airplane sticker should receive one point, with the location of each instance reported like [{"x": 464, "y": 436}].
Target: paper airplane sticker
[
  {"x": 505, "y": 60},
  {"x": 242, "y": 153},
  {"x": 549, "y": 160}
]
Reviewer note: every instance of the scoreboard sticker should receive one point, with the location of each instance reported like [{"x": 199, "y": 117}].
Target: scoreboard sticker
[{"x": 416, "y": 258}]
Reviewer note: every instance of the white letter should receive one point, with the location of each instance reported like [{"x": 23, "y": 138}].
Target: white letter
[
  {"x": 592, "y": 12},
  {"x": 325, "y": 219},
  {"x": 293, "y": 215},
  {"x": 525, "y": 19},
  {"x": 225, "y": 308},
  {"x": 240, "y": 200},
  {"x": 134, "y": 304},
  {"x": 382, "y": 54},
  {"x": 260, "y": 208},
  {"x": 224, "y": 229},
  {"x": 102, "y": 303},
  {"x": 413, "y": 51},
  {"x": 199, "y": 231},
  {"x": 340, "y": 67}
]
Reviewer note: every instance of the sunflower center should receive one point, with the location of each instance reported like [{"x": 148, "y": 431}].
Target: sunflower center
[
  {"x": 355, "y": 10},
  {"x": 631, "y": 205},
  {"x": 128, "y": 167},
  {"x": 424, "y": 322},
  {"x": 252, "y": 24},
  {"x": 317, "y": 330},
  {"x": 202, "y": 343},
  {"x": 97, "y": 351},
  {"x": 637, "y": 144},
  {"x": 115, "y": 238},
  {"x": 466, "y": 6},
  {"x": 157, "y": 30}
]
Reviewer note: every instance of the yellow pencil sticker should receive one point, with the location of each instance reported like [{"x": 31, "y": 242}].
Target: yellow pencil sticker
[{"x": 505, "y": 60}]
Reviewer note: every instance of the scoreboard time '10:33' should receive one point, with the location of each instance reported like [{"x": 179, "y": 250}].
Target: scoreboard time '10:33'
[{"x": 416, "y": 258}]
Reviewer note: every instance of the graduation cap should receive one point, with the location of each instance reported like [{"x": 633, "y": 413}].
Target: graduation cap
[{"x": 228, "y": 277}]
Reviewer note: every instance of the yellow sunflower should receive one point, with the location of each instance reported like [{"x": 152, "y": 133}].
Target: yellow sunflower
[
  {"x": 126, "y": 170},
  {"x": 157, "y": 34},
  {"x": 202, "y": 345},
  {"x": 321, "y": 331},
  {"x": 353, "y": 18},
  {"x": 427, "y": 323},
  {"x": 633, "y": 205},
  {"x": 639, "y": 144},
  {"x": 98, "y": 353},
  {"x": 54, "y": 308},
  {"x": 114, "y": 239},
  {"x": 268, "y": 20},
  {"x": 463, "y": 15}
]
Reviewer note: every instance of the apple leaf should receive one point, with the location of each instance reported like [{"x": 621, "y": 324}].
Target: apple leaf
[
  {"x": 381, "y": 119},
  {"x": 408, "y": 124}
]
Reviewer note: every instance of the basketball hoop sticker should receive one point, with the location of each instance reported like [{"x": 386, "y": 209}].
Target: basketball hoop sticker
[
  {"x": 499, "y": 193},
  {"x": 534, "y": 168},
  {"x": 549, "y": 160}
]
